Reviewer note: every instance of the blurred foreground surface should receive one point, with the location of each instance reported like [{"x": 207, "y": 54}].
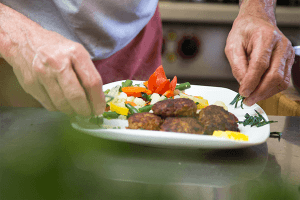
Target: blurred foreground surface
[{"x": 42, "y": 157}]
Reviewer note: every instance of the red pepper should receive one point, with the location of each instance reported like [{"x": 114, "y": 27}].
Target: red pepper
[
  {"x": 158, "y": 82},
  {"x": 152, "y": 82},
  {"x": 173, "y": 83},
  {"x": 163, "y": 87}
]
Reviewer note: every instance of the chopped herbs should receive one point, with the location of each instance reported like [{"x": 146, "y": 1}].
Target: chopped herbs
[
  {"x": 257, "y": 120},
  {"x": 236, "y": 100}
]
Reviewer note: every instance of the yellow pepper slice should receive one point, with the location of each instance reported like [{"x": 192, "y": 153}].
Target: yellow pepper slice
[
  {"x": 202, "y": 103},
  {"x": 118, "y": 109},
  {"x": 233, "y": 135}
]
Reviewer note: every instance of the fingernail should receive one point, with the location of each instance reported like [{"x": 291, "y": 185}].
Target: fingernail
[
  {"x": 245, "y": 93},
  {"x": 247, "y": 102}
]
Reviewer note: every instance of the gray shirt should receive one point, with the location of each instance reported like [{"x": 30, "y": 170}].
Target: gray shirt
[{"x": 102, "y": 26}]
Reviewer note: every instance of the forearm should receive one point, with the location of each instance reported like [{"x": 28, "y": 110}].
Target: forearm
[
  {"x": 260, "y": 8},
  {"x": 15, "y": 31}
]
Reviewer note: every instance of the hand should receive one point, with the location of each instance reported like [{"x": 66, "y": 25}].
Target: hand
[
  {"x": 58, "y": 73},
  {"x": 260, "y": 56}
]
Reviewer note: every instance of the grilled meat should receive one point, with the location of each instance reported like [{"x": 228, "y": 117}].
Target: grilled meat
[
  {"x": 217, "y": 118},
  {"x": 175, "y": 108},
  {"x": 182, "y": 124},
  {"x": 147, "y": 121}
]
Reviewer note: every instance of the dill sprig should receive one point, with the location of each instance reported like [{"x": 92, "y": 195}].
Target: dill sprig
[
  {"x": 257, "y": 120},
  {"x": 236, "y": 100}
]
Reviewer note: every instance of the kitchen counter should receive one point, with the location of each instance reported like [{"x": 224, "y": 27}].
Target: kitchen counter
[
  {"x": 285, "y": 103},
  {"x": 42, "y": 157}
]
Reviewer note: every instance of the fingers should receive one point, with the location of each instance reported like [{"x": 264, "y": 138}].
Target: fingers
[
  {"x": 237, "y": 59},
  {"x": 35, "y": 89},
  {"x": 91, "y": 82},
  {"x": 69, "y": 90},
  {"x": 276, "y": 78},
  {"x": 259, "y": 62}
]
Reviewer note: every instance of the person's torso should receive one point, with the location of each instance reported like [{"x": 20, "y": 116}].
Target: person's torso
[{"x": 102, "y": 26}]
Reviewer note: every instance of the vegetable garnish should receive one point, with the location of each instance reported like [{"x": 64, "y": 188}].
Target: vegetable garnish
[
  {"x": 236, "y": 99},
  {"x": 146, "y": 108},
  {"x": 146, "y": 96},
  {"x": 257, "y": 121},
  {"x": 158, "y": 82},
  {"x": 126, "y": 83},
  {"x": 110, "y": 115},
  {"x": 183, "y": 86},
  {"x": 134, "y": 91},
  {"x": 131, "y": 108},
  {"x": 110, "y": 98}
]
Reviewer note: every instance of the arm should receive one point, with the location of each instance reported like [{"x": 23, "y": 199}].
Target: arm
[
  {"x": 260, "y": 56},
  {"x": 56, "y": 71}
]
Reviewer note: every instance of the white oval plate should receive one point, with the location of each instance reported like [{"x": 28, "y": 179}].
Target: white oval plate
[{"x": 183, "y": 140}]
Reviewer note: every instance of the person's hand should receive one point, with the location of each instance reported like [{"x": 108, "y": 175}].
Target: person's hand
[
  {"x": 61, "y": 76},
  {"x": 260, "y": 56},
  {"x": 56, "y": 71}
]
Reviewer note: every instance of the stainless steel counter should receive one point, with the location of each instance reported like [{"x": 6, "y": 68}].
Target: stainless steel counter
[{"x": 42, "y": 157}]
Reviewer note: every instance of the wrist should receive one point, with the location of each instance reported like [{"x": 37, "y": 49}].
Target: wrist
[
  {"x": 264, "y": 9},
  {"x": 16, "y": 35}
]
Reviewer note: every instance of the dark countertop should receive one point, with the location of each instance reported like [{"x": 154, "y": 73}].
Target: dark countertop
[{"x": 43, "y": 157}]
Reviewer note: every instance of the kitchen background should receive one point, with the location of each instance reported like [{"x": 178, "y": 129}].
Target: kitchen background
[{"x": 195, "y": 33}]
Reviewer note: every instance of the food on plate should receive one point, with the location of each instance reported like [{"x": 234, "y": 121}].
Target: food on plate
[
  {"x": 238, "y": 98},
  {"x": 162, "y": 105},
  {"x": 129, "y": 98},
  {"x": 182, "y": 118},
  {"x": 182, "y": 124},
  {"x": 158, "y": 82},
  {"x": 257, "y": 120},
  {"x": 175, "y": 108},
  {"x": 222, "y": 104},
  {"x": 147, "y": 121},
  {"x": 232, "y": 135},
  {"x": 217, "y": 118}
]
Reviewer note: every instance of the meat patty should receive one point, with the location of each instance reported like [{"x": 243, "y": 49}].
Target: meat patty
[
  {"x": 182, "y": 124},
  {"x": 147, "y": 121},
  {"x": 217, "y": 118},
  {"x": 180, "y": 107}
]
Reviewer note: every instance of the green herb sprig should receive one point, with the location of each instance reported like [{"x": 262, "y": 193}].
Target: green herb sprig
[
  {"x": 236, "y": 100},
  {"x": 257, "y": 120}
]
